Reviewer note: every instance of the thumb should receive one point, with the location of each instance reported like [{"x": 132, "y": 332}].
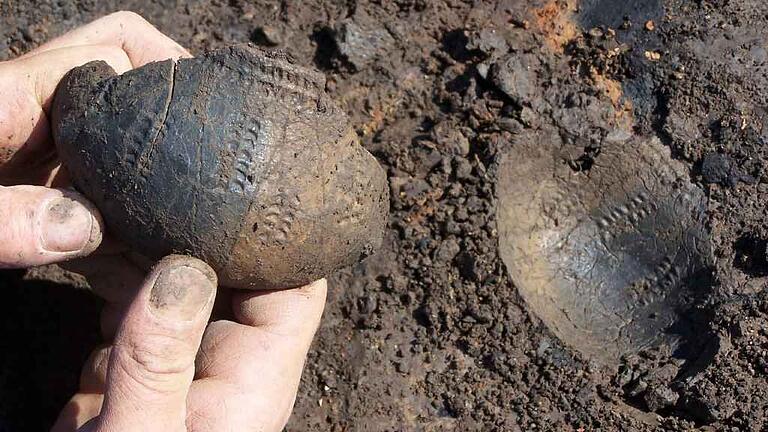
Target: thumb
[
  {"x": 151, "y": 365},
  {"x": 40, "y": 226}
]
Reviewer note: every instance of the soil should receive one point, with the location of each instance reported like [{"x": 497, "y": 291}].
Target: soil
[{"x": 431, "y": 333}]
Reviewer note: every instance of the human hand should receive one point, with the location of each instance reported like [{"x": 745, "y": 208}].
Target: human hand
[
  {"x": 246, "y": 370},
  {"x": 43, "y": 225}
]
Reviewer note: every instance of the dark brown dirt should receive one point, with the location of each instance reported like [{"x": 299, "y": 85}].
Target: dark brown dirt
[{"x": 431, "y": 333}]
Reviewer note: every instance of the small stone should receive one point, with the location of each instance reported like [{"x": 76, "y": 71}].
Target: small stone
[
  {"x": 595, "y": 33},
  {"x": 638, "y": 388},
  {"x": 515, "y": 75},
  {"x": 510, "y": 125},
  {"x": 543, "y": 347},
  {"x": 367, "y": 304},
  {"x": 267, "y": 36},
  {"x": 529, "y": 117},
  {"x": 447, "y": 250},
  {"x": 660, "y": 397},
  {"x": 624, "y": 376},
  {"x": 482, "y": 70},
  {"x": 452, "y": 140},
  {"x": 650, "y": 25},
  {"x": 488, "y": 41},
  {"x": 414, "y": 188},
  {"x": 426, "y": 159},
  {"x": 360, "y": 40},
  {"x": 721, "y": 169},
  {"x": 403, "y": 366},
  {"x": 653, "y": 55},
  {"x": 463, "y": 169}
]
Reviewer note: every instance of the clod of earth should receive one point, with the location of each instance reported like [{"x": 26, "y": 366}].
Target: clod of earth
[
  {"x": 722, "y": 169},
  {"x": 237, "y": 157},
  {"x": 611, "y": 258}
]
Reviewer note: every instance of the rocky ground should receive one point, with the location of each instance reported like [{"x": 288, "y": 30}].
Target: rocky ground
[{"x": 431, "y": 334}]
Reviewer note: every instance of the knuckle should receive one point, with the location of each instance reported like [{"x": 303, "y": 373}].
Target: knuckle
[
  {"x": 129, "y": 17},
  {"x": 155, "y": 359}
]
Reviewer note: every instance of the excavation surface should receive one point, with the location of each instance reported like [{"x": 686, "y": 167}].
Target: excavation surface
[{"x": 434, "y": 332}]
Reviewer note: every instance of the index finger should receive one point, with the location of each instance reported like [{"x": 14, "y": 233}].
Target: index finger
[{"x": 127, "y": 30}]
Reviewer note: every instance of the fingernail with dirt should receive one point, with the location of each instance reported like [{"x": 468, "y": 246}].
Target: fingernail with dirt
[
  {"x": 67, "y": 226},
  {"x": 181, "y": 293}
]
